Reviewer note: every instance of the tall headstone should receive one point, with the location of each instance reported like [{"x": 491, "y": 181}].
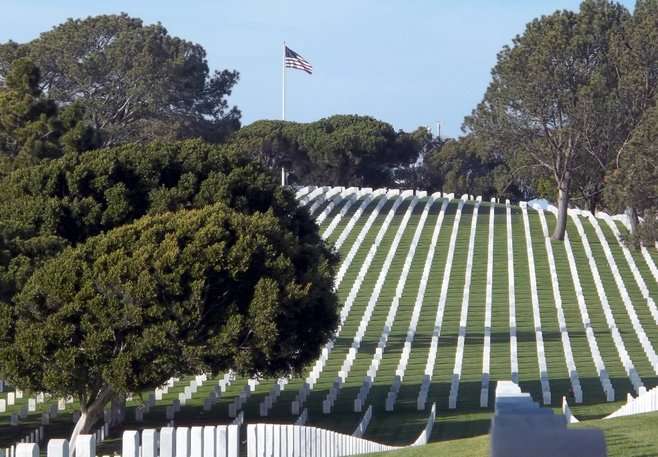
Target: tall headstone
[
  {"x": 149, "y": 443},
  {"x": 196, "y": 442},
  {"x": 130, "y": 444},
  {"x": 233, "y": 440},
  {"x": 222, "y": 441},
  {"x": 209, "y": 446},
  {"x": 182, "y": 442},
  {"x": 167, "y": 442}
]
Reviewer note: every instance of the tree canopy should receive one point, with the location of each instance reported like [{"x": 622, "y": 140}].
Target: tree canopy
[
  {"x": 32, "y": 128},
  {"x": 634, "y": 182},
  {"x": 135, "y": 82},
  {"x": 550, "y": 97},
  {"x": 105, "y": 263},
  {"x": 340, "y": 150}
]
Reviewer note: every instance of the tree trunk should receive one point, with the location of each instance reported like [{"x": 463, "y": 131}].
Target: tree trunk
[
  {"x": 562, "y": 207},
  {"x": 632, "y": 219},
  {"x": 89, "y": 415}
]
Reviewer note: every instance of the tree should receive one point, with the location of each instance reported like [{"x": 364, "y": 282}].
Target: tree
[
  {"x": 547, "y": 97},
  {"x": 31, "y": 126},
  {"x": 338, "y": 150},
  {"x": 634, "y": 183},
  {"x": 121, "y": 220},
  {"x": 61, "y": 203},
  {"x": 194, "y": 291},
  {"x": 635, "y": 54},
  {"x": 465, "y": 166},
  {"x": 135, "y": 82}
]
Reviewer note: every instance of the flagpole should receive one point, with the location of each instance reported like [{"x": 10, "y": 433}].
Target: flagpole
[{"x": 283, "y": 84}]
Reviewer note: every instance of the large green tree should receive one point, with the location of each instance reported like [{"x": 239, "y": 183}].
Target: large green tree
[
  {"x": 635, "y": 55},
  {"x": 634, "y": 182},
  {"x": 32, "y": 128},
  {"x": 103, "y": 266},
  {"x": 550, "y": 98},
  {"x": 135, "y": 81},
  {"x": 343, "y": 150},
  {"x": 465, "y": 165},
  {"x": 193, "y": 291}
]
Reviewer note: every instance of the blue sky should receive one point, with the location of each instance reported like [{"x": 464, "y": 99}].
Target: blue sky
[{"x": 410, "y": 63}]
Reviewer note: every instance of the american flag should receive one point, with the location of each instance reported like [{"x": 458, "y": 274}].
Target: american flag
[{"x": 294, "y": 60}]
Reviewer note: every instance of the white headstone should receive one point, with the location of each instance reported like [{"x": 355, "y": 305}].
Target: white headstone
[
  {"x": 130, "y": 444},
  {"x": 3, "y": 405},
  {"x": 167, "y": 442},
  {"x": 221, "y": 441},
  {"x": 182, "y": 442},
  {"x": 85, "y": 446},
  {"x": 149, "y": 443},
  {"x": 233, "y": 440},
  {"x": 251, "y": 440},
  {"x": 196, "y": 442},
  {"x": 27, "y": 450},
  {"x": 209, "y": 447},
  {"x": 58, "y": 448},
  {"x": 32, "y": 405},
  {"x": 11, "y": 398}
]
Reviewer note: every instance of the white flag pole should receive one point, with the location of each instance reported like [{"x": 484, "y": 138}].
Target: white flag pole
[{"x": 283, "y": 84}]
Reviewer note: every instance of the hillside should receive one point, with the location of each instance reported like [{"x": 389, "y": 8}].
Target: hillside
[{"x": 442, "y": 297}]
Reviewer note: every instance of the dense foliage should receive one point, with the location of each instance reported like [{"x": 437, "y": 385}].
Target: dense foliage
[
  {"x": 104, "y": 265},
  {"x": 339, "y": 150},
  {"x": 567, "y": 95},
  {"x": 134, "y": 81},
  {"x": 634, "y": 183},
  {"x": 32, "y": 127}
]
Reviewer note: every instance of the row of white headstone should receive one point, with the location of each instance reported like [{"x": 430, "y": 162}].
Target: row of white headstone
[
  {"x": 371, "y": 374},
  {"x": 316, "y": 371},
  {"x": 647, "y": 347},
  {"x": 263, "y": 440},
  {"x": 576, "y": 387},
  {"x": 218, "y": 389},
  {"x": 463, "y": 315},
  {"x": 587, "y": 323},
  {"x": 639, "y": 280},
  {"x": 646, "y": 402},
  {"x": 423, "y": 392},
  {"x": 536, "y": 315},
  {"x": 625, "y": 358},
  {"x": 488, "y": 302},
  {"x": 343, "y": 373},
  {"x": 415, "y": 314}
]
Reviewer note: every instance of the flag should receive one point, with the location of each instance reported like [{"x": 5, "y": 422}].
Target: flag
[{"x": 294, "y": 60}]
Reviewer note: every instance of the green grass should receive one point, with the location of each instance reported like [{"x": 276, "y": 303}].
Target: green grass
[{"x": 633, "y": 436}]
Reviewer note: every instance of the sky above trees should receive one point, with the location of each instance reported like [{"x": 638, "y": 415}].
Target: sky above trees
[{"x": 409, "y": 63}]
